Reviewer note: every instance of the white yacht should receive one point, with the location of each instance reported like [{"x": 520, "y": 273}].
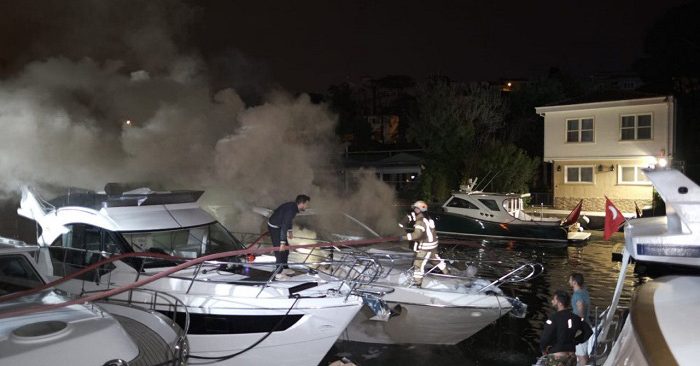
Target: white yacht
[
  {"x": 661, "y": 328},
  {"x": 78, "y": 335},
  {"x": 446, "y": 309},
  {"x": 239, "y": 314}
]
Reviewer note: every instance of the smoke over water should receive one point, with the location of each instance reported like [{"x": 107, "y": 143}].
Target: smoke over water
[{"x": 93, "y": 117}]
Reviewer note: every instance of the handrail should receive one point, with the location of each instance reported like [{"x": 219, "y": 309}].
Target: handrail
[
  {"x": 388, "y": 263},
  {"x": 164, "y": 273},
  {"x": 513, "y": 276},
  {"x": 171, "y": 303}
]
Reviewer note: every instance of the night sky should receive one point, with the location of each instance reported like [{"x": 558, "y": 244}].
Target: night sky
[{"x": 309, "y": 45}]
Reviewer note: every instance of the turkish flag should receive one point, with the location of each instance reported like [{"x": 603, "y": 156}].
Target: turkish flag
[{"x": 613, "y": 219}]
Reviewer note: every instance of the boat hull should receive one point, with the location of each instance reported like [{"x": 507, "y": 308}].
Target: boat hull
[
  {"x": 226, "y": 319},
  {"x": 656, "y": 332},
  {"x": 429, "y": 321},
  {"x": 304, "y": 343},
  {"x": 547, "y": 233}
]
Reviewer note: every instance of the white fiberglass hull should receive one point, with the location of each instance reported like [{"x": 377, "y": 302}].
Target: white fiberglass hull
[
  {"x": 428, "y": 317},
  {"x": 662, "y": 326},
  {"x": 305, "y": 343},
  {"x": 317, "y": 320}
]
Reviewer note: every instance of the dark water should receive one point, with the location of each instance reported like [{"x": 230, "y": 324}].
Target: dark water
[{"x": 508, "y": 341}]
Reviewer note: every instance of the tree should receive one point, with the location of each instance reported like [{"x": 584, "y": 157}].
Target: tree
[
  {"x": 352, "y": 125},
  {"x": 458, "y": 126},
  {"x": 509, "y": 166},
  {"x": 672, "y": 65}
]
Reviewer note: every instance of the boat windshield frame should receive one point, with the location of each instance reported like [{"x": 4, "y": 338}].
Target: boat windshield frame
[{"x": 170, "y": 241}]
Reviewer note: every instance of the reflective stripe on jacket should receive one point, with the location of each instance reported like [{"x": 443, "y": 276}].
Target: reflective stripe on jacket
[{"x": 424, "y": 233}]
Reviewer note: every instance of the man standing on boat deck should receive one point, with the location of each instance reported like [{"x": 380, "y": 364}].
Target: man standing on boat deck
[
  {"x": 580, "y": 305},
  {"x": 280, "y": 225},
  {"x": 425, "y": 242},
  {"x": 562, "y": 331}
]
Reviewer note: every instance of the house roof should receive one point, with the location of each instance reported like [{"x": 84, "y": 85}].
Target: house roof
[
  {"x": 605, "y": 99},
  {"x": 605, "y": 96}
]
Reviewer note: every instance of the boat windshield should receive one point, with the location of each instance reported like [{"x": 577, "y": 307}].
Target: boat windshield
[
  {"x": 17, "y": 274},
  {"x": 189, "y": 242}
]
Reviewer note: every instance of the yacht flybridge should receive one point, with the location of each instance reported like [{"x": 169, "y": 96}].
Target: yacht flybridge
[
  {"x": 240, "y": 315},
  {"x": 661, "y": 328}
]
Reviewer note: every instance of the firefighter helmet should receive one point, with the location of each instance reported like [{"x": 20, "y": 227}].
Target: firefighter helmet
[{"x": 422, "y": 206}]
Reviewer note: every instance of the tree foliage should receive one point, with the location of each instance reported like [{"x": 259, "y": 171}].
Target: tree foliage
[
  {"x": 460, "y": 129},
  {"x": 350, "y": 120},
  {"x": 509, "y": 166}
]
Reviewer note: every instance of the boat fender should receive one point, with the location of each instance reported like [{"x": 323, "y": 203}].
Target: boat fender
[
  {"x": 519, "y": 308},
  {"x": 377, "y": 306}
]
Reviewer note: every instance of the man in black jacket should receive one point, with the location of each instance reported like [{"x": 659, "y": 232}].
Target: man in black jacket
[
  {"x": 562, "y": 332},
  {"x": 280, "y": 223}
]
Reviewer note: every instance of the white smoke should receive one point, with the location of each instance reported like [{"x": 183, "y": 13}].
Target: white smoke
[{"x": 152, "y": 117}]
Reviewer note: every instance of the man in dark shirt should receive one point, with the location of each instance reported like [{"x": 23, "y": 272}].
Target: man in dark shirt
[
  {"x": 562, "y": 332},
  {"x": 280, "y": 223}
]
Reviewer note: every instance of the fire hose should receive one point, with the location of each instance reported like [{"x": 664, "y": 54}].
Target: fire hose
[{"x": 188, "y": 263}]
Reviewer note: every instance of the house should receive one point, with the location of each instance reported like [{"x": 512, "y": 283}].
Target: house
[{"x": 599, "y": 143}]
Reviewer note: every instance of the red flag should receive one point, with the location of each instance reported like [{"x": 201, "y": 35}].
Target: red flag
[
  {"x": 613, "y": 219},
  {"x": 573, "y": 215}
]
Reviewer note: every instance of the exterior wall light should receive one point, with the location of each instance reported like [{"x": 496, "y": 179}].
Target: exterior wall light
[
  {"x": 612, "y": 168},
  {"x": 558, "y": 168},
  {"x": 600, "y": 167}
]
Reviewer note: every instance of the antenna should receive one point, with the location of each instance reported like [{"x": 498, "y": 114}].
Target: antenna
[
  {"x": 490, "y": 180},
  {"x": 485, "y": 178}
]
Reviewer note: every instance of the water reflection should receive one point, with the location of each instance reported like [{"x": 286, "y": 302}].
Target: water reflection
[{"x": 509, "y": 341}]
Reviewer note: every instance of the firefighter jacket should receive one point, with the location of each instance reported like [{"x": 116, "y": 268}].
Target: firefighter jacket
[{"x": 423, "y": 234}]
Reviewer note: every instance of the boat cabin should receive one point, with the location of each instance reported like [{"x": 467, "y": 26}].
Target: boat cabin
[{"x": 490, "y": 206}]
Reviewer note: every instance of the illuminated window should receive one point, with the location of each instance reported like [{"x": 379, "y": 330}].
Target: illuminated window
[
  {"x": 578, "y": 174},
  {"x": 631, "y": 175},
  {"x": 635, "y": 127},
  {"x": 579, "y": 130}
]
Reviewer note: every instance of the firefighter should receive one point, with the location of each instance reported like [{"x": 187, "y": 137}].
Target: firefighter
[{"x": 425, "y": 242}]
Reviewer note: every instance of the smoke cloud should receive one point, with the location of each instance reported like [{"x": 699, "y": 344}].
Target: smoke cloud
[{"x": 82, "y": 112}]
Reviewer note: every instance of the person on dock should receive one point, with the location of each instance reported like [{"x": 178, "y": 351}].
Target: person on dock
[
  {"x": 425, "y": 242},
  {"x": 580, "y": 305},
  {"x": 280, "y": 225},
  {"x": 562, "y": 332}
]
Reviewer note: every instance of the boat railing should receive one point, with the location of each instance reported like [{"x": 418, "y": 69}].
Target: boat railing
[
  {"x": 402, "y": 264},
  {"x": 165, "y": 304},
  {"x": 357, "y": 271},
  {"x": 523, "y": 273},
  {"x": 602, "y": 343}
]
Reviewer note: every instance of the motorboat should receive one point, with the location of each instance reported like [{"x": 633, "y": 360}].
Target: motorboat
[
  {"x": 240, "y": 314},
  {"x": 445, "y": 310},
  {"x": 469, "y": 213},
  {"x": 661, "y": 326},
  {"x": 84, "y": 334}
]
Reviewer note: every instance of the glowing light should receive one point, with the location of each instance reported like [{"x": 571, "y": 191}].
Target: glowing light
[
  {"x": 128, "y": 122},
  {"x": 510, "y": 84},
  {"x": 651, "y": 161},
  {"x": 663, "y": 162}
]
